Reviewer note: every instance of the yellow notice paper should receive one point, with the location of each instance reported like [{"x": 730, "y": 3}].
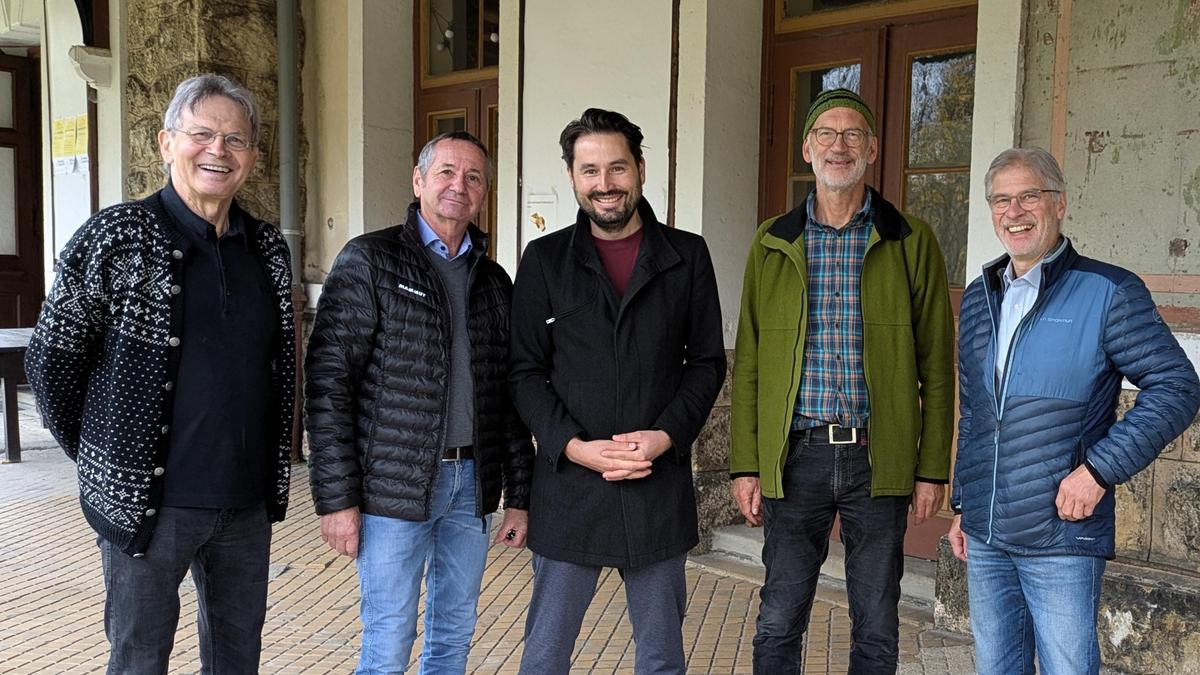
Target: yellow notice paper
[
  {"x": 62, "y": 149},
  {"x": 81, "y": 143}
]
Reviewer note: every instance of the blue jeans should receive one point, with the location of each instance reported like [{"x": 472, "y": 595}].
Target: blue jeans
[
  {"x": 450, "y": 551},
  {"x": 1025, "y": 604},
  {"x": 228, "y": 552},
  {"x": 656, "y": 596},
  {"x": 819, "y": 481}
]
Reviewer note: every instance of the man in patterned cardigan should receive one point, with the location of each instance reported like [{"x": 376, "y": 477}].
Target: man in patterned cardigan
[{"x": 163, "y": 364}]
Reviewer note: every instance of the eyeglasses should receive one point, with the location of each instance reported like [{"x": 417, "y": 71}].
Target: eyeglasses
[
  {"x": 234, "y": 141},
  {"x": 1028, "y": 200},
  {"x": 825, "y": 136}
]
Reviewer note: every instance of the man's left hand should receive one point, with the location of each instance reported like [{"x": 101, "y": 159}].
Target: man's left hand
[
  {"x": 513, "y": 529},
  {"x": 926, "y": 500},
  {"x": 1078, "y": 495}
]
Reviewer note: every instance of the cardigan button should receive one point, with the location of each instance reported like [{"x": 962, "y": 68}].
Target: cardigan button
[
  {"x": 174, "y": 342},
  {"x": 166, "y": 428},
  {"x": 158, "y": 471},
  {"x": 176, "y": 289},
  {"x": 177, "y": 254},
  {"x": 168, "y": 385}
]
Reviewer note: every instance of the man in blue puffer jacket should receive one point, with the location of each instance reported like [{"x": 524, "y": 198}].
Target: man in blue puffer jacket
[{"x": 1045, "y": 336}]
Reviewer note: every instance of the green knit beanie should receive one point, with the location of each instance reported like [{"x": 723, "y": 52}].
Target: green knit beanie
[{"x": 837, "y": 98}]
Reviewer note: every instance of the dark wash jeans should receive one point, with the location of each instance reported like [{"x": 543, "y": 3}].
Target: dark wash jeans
[
  {"x": 820, "y": 480},
  {"x": 228, "y": 552}
]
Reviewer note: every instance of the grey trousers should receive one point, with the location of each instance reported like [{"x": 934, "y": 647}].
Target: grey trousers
[{"x": 657, "y": 598}]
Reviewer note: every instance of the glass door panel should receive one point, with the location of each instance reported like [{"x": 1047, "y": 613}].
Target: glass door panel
[
  {"x": 807, "y": 84},
  {"x": 6, "y": 99}
]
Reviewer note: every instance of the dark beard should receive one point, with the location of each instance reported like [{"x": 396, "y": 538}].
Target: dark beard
[{"x": 611, "y": 221}]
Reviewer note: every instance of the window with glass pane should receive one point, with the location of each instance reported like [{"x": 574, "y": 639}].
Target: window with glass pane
[
  {"x": 461, "y": 35},
  {"x": 6, "y": 99},
  {"x": 938, "y": 158},
  {"x": 446, "y": 121},
  {"x": 806, "y": 86},
  {"x": 8, "y": 201}
]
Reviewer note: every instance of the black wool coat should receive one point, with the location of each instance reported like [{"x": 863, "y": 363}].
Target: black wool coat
[
  {"x": 377, "y": 373},
  {"x": 588, "y": 363}
]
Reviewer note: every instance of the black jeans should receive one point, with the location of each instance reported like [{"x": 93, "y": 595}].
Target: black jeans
[
  {"x": 820, "y": 480},
  {"x": 228, "y": 552}
]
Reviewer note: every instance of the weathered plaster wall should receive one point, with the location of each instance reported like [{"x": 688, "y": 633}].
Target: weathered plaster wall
[
  {"x": 1133, "y": 130},
  {"x": 171, "y": 40}
]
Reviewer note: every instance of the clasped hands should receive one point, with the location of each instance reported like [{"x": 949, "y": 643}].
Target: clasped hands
[{"x": 626, "y": 457}]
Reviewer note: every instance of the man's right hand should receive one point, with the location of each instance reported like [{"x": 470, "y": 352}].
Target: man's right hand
[
  {"x": 591, "y": 455},
  {"x": 340, "y": 530},
  {"x": 958, "y": 540},
  {"x": 747, "y": 492}
]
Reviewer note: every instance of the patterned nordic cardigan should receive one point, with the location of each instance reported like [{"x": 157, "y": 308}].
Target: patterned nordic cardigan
[{"x": 104, "y": 357}]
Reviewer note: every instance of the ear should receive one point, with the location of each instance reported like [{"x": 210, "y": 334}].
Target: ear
[
  {"x": 873, "y": 149},
  {"x": 806, "y": 151},
  {"x": 418, "y": 182},
  {"x": 1060, "y": 205},
  {"x": 166, "y": 146},
  {"x": 642, "y": 171}
]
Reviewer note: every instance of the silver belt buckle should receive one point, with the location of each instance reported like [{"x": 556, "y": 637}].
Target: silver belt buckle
[{"x": 853, "y": 435}]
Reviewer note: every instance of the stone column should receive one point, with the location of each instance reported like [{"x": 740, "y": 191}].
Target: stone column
[
  {"x": 171, "y": 40},
  {"x": 710, "y": 467}
]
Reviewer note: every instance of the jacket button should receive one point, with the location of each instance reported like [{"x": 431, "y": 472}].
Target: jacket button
[
  {"x": 174, "y": 342},
  {"x": 176, "y": 289},
  {"x": 177, "y": 254},
  {"x": 168, "y": 385},
  {"x": 150, "y": 512},
  {"x": 158, "y": 471}
]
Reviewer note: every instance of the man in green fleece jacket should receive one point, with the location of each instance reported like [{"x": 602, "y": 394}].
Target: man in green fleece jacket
[{"x": 843, "y": 392}]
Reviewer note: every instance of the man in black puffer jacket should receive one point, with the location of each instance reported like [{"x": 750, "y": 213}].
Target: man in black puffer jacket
[{"x": 411, "y": 430}]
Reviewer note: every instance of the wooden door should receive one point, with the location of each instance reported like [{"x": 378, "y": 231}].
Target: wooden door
[
  {"x": 457, "y": 50},
  {"x": 21, "y": 279},
  {"x": 916, "y": 72}
]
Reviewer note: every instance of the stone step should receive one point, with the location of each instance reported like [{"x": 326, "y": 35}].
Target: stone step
[{"x": 741, "y": 547}]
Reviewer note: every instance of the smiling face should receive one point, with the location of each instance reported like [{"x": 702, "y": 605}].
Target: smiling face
[
  {"x": 1028, "y": 234},
  {"x": 607, "y": 181},
  {"x": 840, "y": 168},
  {"x": 454, "y": 187},
  {"x": 207, "y": 177}
]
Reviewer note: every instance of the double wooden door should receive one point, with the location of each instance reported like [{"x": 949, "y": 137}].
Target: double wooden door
[
  {"x": 21, "y": 277},
  {"x": 917, "y": 73}
]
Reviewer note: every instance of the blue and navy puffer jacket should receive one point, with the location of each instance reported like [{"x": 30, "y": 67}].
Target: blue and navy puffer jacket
[{"x": 1055, "y": 408}]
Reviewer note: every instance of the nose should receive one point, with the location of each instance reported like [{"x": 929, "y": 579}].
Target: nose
[
  {"x": 840, "y": 140},
  {"x": 217, "y": 147}
]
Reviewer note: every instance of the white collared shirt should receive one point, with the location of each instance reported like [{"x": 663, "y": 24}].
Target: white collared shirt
[{"x": 1019, "y": 296}]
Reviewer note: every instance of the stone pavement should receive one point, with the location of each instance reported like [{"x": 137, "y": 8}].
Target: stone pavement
[{"x": 52, "y": 610}]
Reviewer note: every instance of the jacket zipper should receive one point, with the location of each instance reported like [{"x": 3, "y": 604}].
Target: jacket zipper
[{"x": 1002, "y": 392}]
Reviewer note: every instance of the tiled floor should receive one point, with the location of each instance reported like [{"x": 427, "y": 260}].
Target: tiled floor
[{"x": 51, "y": 599}]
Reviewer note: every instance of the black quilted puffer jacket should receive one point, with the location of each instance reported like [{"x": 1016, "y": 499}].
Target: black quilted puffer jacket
[{"x": 377, "y": 372}]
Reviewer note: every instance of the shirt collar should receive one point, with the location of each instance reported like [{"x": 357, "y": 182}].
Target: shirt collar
[
  {"x": 192, "y": 223},
  {"x": 1033, "y": 277},
  {"x": 859, "y": 218},
  {"x": 429, "y": 239}
]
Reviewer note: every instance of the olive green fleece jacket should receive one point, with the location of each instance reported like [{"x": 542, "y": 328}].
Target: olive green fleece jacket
[{"x": 908, "y": 351}]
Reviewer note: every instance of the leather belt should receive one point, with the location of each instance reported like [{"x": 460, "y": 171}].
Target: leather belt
[
  {"x": 461, "y": 452},
  {"x": 836, "y": 434}
]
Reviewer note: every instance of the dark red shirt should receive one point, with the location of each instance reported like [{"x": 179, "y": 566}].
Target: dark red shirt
[{"x": 618, "y": 257}]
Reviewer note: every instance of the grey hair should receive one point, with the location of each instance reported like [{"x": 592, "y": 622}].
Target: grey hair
[
  {"x": 1037, "y": 160},
  {"x": 425, "y": 159},
  {"x": 193, "y": 90}
]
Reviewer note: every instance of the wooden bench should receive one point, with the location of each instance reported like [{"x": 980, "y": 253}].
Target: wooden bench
[{"x": 13, "y": 343}]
